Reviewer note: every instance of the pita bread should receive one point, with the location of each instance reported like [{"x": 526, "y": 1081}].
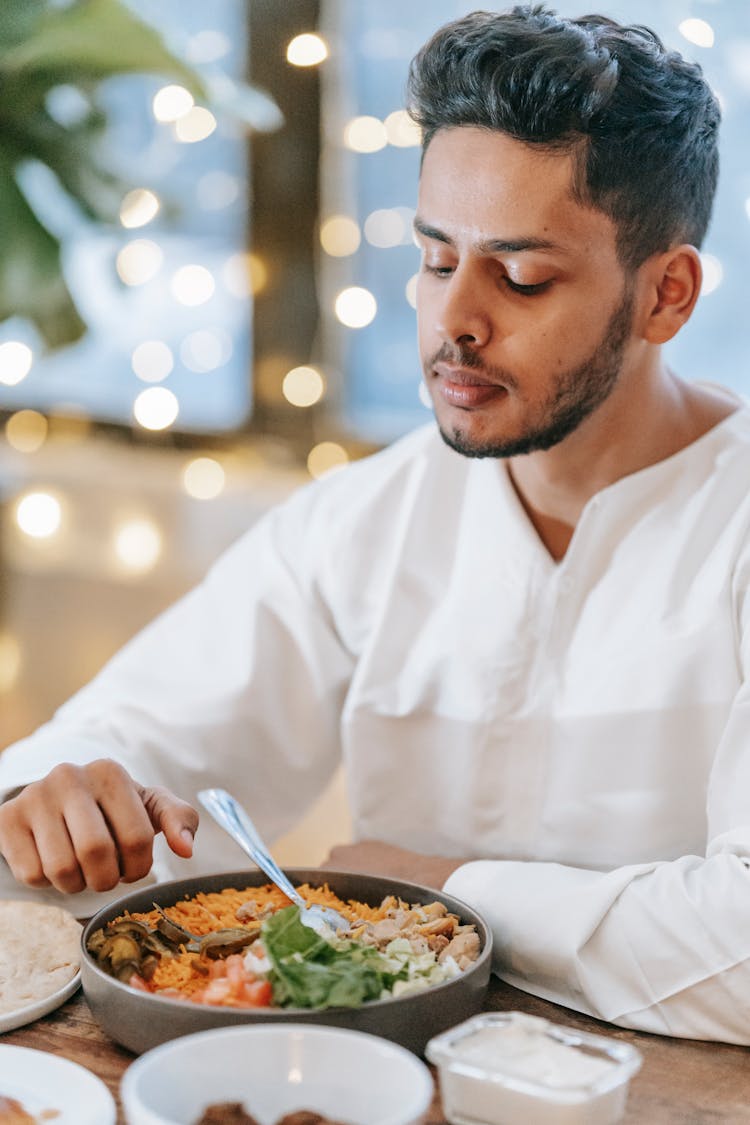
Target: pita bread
[{"x": 39, "y": 952}]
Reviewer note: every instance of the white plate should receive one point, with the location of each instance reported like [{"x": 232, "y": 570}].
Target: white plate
[
  {"x": 42, "y": 1081},
  {"x": 30, "y": 1012}
]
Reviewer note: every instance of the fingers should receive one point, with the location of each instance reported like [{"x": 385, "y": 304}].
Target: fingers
[
  {"x": 175, "y": 818},
  {"x": 90, "y": 827}
]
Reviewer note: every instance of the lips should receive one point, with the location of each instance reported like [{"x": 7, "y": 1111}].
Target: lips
[{"x": 464, "y": 388}]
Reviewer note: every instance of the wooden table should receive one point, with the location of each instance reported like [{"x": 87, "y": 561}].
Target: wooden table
[{"x": 683, "y": 1082}]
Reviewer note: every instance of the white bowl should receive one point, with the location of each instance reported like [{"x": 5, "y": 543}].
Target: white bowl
[{"x": 350, "y": 1076}]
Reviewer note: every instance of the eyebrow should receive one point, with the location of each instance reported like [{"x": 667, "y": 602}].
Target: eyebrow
[{"x": 489, "y": 245}]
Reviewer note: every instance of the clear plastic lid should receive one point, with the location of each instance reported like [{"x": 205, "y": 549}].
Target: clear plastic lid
[{"x": 534, "y": 1055}]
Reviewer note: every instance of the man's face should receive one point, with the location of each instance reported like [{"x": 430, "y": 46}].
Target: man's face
[{"x": 524, "y": 312}]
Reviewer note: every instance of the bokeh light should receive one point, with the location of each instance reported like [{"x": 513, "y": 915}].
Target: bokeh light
[
  {"x": 16, "y": 359},
  {"x": 139, "y": 261},
  {"x": 197, "y": 124},
  {"x": 303, "y": 386},
  {"x": 385, "y": 228},
  {"x": 355, "y": 307},
  {"x": 339, "y": 236},
  {"x": 10, "y": 661},
  {"x": 205, "y": 350},
  {"x": 365, "y": 134},
  {"x": 171, "y": 103},
  {"x": 401, "y": 131},
  {"x": 245, "y": 274},
  {"x": 697, "y": 31},
  {"x": 713, "y": 273},
  {"x": 325, "y": 458},
  {"x": 156, "y": 409},
  {"x": 137, "y": 544},
  {"x": 203, "y": 478},
  {"x": 306, "y": 50},
  {"x": 138, "y": 208},
  {"x": 152, "y": 361},
  {"x": 193, "y": 285},
  {"x": 39, "y": 514},
  {"x": 26, "y": 431}
]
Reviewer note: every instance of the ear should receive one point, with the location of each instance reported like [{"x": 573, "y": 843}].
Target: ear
[{"x": 673, "y": 283}]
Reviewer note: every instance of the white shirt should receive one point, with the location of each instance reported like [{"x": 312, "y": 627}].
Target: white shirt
[{"x": 582, "y": 729}]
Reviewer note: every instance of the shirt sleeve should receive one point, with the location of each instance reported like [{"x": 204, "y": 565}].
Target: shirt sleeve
[
  {"x": 240, "y": 684},
  {"x": 661, "y": 947}
]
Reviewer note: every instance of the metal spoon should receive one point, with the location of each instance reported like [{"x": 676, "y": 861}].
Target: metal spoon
[{"x": 235, "y": 820}]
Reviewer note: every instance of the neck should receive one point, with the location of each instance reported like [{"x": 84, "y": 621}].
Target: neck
[{"x": 650, "y": 416}]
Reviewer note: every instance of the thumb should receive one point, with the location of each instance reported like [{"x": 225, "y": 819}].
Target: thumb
[{"x": 175, "y": 818}]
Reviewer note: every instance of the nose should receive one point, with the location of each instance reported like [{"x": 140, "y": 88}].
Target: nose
[{"x": 463, "y": 315}]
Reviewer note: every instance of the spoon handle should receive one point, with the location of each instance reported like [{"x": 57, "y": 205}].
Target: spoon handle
[{"x": 233, "y": 818}]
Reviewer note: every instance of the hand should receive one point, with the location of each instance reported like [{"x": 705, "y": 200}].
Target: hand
[
  {"x": 372, "y": 857},
  {"x": 90, "y": 827}
]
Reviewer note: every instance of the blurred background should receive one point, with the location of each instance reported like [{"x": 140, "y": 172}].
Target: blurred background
[{"x": 207, "y": 284}]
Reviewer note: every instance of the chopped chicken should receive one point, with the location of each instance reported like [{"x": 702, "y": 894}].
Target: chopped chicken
[{"x": 463, "y": 948}]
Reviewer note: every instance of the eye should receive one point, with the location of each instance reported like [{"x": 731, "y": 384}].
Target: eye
[
  {"x": 527, "y": 290},
  {"x": 438, "y": 271}
]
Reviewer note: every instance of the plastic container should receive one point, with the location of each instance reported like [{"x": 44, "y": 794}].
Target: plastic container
[{"x": 509, "y": 1068}]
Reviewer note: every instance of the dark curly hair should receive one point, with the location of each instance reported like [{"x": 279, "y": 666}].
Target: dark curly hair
[{"x": 641, "y": 121}]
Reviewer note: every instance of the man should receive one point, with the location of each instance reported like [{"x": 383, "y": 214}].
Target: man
[{"x": 528, "y": 641}]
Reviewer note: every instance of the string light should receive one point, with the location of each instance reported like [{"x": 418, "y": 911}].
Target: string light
[
  {"x": 306, "y": 50},
  {"x": 339, "y": 236},
  {"x": 138, "y": 208},
  {"x": 152, "y": 361},
  {"x": 365, "y": 134},
  {"x": 16, "y": 359},
  {"x": 26, "y": 431},
  {"x": 39, "y": 515},
  {"x": 193, "y": 285},
  {"x": 326, "y": 457},
  {"x": 303, "y": 386},
  {"x": 203, "y": 478},
  {"x": 355, "y": 307},
  {"x": 171, "y": 103},
  {"x": 197, "y": 124},
  {"x": 139, "y": 261},
  {"x": 156, "y": 409}
]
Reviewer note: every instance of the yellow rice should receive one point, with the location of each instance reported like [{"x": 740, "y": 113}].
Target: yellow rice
[{"x": 209, "y": 911}]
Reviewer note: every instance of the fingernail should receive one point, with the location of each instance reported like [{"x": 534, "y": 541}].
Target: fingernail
[{"x": 187, "y": 836}]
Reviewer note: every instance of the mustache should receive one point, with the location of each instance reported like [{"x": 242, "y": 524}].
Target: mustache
[{"x": 459, "y": 355}]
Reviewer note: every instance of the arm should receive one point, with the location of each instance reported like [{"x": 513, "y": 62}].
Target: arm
[
  {"x": 661, "y": 947},
  {"x": 239, "y": 683}
]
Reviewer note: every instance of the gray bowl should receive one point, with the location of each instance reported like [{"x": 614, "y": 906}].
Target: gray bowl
[{"x": 140, "y": 1021}]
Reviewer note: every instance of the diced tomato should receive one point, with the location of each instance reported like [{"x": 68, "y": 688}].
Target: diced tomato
[
  {"x": 258, "y": 993},
  {"x": 232, "y": 985}
]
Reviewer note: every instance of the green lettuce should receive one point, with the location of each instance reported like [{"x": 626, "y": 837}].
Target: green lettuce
[{"x": 310, "y": 972}]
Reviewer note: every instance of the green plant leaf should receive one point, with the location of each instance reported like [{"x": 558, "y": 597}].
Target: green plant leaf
[
  {"x": 94, "y": 39},
  {"x": 31, "y": 279}
]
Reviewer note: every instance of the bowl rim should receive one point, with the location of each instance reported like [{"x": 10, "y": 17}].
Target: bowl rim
[
  {"x": 88, "y": 964},
  {"x": 421, "y": 1082}
]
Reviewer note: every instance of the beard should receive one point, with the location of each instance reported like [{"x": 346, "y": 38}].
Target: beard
[{"x": 577, "y": 394}]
